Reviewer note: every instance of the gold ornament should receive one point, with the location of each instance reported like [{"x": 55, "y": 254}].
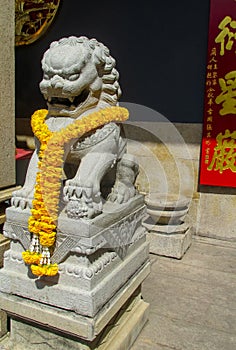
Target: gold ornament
[{"x": 32, "y": 19}]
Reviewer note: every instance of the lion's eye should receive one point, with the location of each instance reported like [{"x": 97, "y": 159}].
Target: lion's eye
[{"x": 73, "y": 77}]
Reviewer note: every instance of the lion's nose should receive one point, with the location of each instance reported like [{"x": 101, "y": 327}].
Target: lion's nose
[{"x": 57, "y": 82}]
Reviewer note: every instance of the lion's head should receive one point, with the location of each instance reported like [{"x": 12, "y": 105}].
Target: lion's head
[{"x": 79, "y": 75}]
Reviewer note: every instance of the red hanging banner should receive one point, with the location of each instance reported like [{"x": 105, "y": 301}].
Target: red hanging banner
[{"x": 218, "y": 154}]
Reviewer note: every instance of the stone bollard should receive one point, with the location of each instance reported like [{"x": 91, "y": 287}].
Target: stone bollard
[{"x": 168, "y": 234}]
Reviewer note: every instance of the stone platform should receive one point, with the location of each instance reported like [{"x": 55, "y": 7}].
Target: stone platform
[
  {"x": 35, "y": 328},
  {"x": 174, "y": 245}
]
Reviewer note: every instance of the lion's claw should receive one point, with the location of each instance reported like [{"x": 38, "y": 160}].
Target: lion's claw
[
  {"x": 22, "y": 199},
  {"x": 81, "y": 201}
]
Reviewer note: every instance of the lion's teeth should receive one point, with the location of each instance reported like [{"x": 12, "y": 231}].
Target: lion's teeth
[
  {"x": 71, "y": 99},
  {"x": 49, "y": 99}
]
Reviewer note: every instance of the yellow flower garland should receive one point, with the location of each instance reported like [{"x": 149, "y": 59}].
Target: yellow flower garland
[{"x": 43, "y": 219}]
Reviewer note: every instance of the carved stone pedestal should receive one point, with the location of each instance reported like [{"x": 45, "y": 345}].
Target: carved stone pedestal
[{"x": 95, "y": 299}]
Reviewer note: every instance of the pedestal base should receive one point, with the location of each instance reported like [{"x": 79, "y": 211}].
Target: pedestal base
[
  {"x": 4, "y": 245},
  {"x": 119, "y": 334},
  {"x": 173, "y": 245},
  {"x": 69, "y": 322},
  {"x": 94, "y": 302},
  {"x": 3, "y": 324}
]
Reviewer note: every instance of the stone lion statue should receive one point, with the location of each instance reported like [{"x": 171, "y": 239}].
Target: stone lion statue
[{"x": 79, "y": 77}]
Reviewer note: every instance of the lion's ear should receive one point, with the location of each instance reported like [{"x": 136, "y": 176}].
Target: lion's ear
[{"x": 99, "y": 56}]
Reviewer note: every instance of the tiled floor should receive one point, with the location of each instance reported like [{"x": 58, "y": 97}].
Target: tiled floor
[{"x": 192, "y": 301}]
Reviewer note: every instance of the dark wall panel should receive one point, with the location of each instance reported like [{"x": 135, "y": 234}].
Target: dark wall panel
[{"x": 160, "y": 48}]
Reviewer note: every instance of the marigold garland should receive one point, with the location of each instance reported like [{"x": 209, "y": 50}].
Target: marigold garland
[
  {"x": 31, "y": 257},
  {"x": 44, "y": 214}
]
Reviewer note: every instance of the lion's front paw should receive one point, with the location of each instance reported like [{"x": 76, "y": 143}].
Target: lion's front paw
[
  {"x": 82, "y": 202},
  {"x": 124, "y": 188},
  {"x": 22, "y": 198},
  {"x": 122, "y": 192}
]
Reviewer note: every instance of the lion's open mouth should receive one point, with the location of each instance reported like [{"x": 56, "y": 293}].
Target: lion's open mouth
[{"x": 69, "y": 102}]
